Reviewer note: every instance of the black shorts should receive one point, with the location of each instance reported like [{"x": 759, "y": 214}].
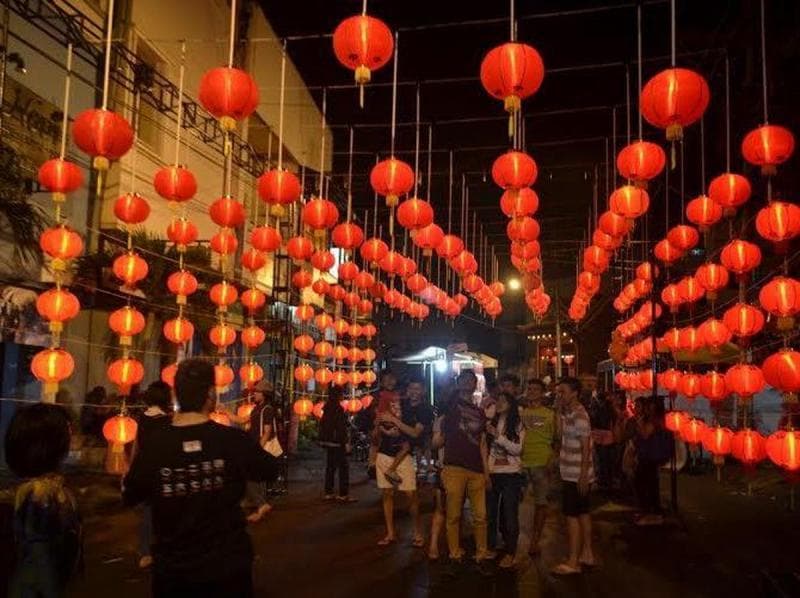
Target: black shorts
[{"x": 573, "y": 503}]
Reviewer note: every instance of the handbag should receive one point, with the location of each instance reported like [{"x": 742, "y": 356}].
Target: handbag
[{"x": 273, "y": 445}]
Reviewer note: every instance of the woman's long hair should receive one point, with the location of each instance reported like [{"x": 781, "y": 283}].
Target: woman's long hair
[{"x": 512, "y": 418}]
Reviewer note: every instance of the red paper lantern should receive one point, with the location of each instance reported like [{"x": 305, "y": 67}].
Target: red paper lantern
[
  {"x": 253, "y": 299},
  {"x": 514, "y": 170},
  {"x": 58, "y": 306},
  {"x": 670, "y": 380},
  {"x": 126, "y": 322},
  {"x": 222, "y": 336},
  {"x": 323, "y": 321},
  {"x": 319, "y": 214},
  {"x": 767, "y": 146},
  {"x": 253, "y": 260},
  {"x": 778, "y": 222},
  {"x": 749, "y": 447},
  {"x": 251, "y": 374},
  {"x": 641, "y": 161},
  {"x": 783, "y": 449},
  {"x": 715, "y": 333},
  {"x": 278, "y": 188},
  {"x": 629, "y": 201},
  {"x": 125, "y": 373},
  {"x": 303, "y": 407},
  {"x": 175, "y": 183},
  {"x": 301, "y": 279},
  {"x": 223, "y": 294},
  {"x": 299, "y": 248},
  {"x": 182, "y": 284},
  {"x": 303, "y": 373},
  {"x": 348, "y": 271},
  {"x": 512, "y": 72},
  {"x": 712, "y": 277},
  {"x": 703, "y": 212},
  {"x": 449, "y": 247},
  {"x": 337, "y": 293},
  {"x": 595, "y": 259},
  {"x": 364, "y": 280},
  {"x": 51, "y": 366},
  {"x": 266, "y": 238},
  {"x": 374, "y": 250},
  {"x": 224, "y": 243},
  {"x": 646, "y": 271},
  {"x": 378, "y": 291},
  {"x": 223, "y": 377},
  {"x": 323, "y": 376},
  {"x": 304, "y": 313},
  {"x": 131, "y": 208},
  {"x": 369, "y": 330},
  {"x": 673, "y": 420},
  {"x": 523, "y": 229},
  {"x": 717, "y": 441},
  {"x": 690, "y": 290},
  {"x": 740, "y": 256},
  {"x": 416, "y": 283},
  {"x": 672, "y": 339},
  {"x": 102, "y": 134},
  {"x": 227, "y": 212},
  {"x": 730, "y": 191},
  {"x": 690, "y": 339},
  {"x": 60, "y": 177},
  {"x": 229, "y": 94},
  {"x": 683, "y": 237},
  {"x": 673, "y": 99},
  {"x": 427, "y": 238},
  {"x": 392, "y": 178},
  {"x": 347, "y": 236},
  {"x": 363, "y": 43},
  {"x": 320, "y": 287},
  {"x": 516, "y": 203},
  {"x": 392, "y": 262},
  {"x": 323, "y": 260},
  {"x": 414, "y": 213},
  {"x": 693, "y": 430},
  {"x": 61, "y": 243},
  {"x": 744, "y": 379},
  {"x": 589, "y": 282},
  {"x": 744, "y": 320},
  {"x": 182, "y": 232},
  {"x": 120, "y": 429},
  {"x": 712, "y": 386},
  {"x": 252, "y": 337},
  {"x": 605, "y": 241},
  {"x": 782, "y": 370},
  {"x": 781, "y": 298},
  {"x": 472, "y": 283},
  {"x": 351, "y": 300},
  {"x": 130, "y": 268},
  {"x": 178, "y": 330},
  {"x": 355, "y": 330},
  {"x": 319, "y": 408},
  {"x": 303, "y": 343},
  {"x": 464, "y": 263},
  {"x": 614, "y": 224}
]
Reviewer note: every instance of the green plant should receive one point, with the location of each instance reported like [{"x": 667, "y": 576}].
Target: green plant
[{"x": 22, "y": 219}]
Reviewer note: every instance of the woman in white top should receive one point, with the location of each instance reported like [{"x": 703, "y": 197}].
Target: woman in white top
[{"x": 506, "y": 434}]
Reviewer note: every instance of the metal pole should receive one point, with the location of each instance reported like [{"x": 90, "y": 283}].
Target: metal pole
[{"x": 558, "y": 336}]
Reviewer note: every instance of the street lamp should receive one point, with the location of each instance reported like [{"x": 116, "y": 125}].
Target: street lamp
[{"x": 514, "y": 284}]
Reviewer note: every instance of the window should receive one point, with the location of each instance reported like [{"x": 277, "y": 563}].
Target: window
[{"x": 151, "y": 125}]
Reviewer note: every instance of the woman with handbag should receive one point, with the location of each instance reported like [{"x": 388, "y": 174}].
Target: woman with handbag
[
  {"x": 334, "y": 438},
  {"x": 263, "y": 430}
]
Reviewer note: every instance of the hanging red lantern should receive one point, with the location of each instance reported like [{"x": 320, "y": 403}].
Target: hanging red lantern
[
  {"x": 130, "y": 269},
  {"x": 511, "y": 72},
  {"x": 301, "y": 279},
  {"x": 299, "y": 249},
  {"x": 782, "y": 371},
  {"x": 378, "y": 291},
  {"x": 51, "y": 366},
  {"x": 224, "y": 243},
  {"x": 60, "y": 177},
  {"x": 673, "y": 420},
  {"x": 303, "y": 373},
  {"x": 744, "y": 320},
  {"x": 392, "y": 178},
  {"x": 340, "y": 378},
  {"x": 278, "y": 188},
  {"x": 222, "y": 336},
  {"x": 779, "y": 222},
  {"x": 351, "y": 300},
  {"x": 348, "y": 271},
  {"x": 683, "y": 237},
  {"x": 449, "y": 247},
  {"x": 168, "y": 374},
  {"x": 614, "y": 224},
  {"x": 745, "y": 380},
  {"x": 364, "y": 280},
  {"x": 253, "y": 260},
  {"x": 355, "y": 330},
  {"x": 120, "y": 429},
  {"x": 514, "y": 170},
  {"x": 319, "y": 214},
  {"x": 265, "y": 238},
  {"x": 516, "y": 203},
  {"x": 595, "y": 259},
  {"x": 229, "y": 94},
  {"x": 670, "y": 379},
  {"x": 227, "y": 212},
  {"x": 703, "y": 212},
  {"x": 673, "y": 99},
  {"x": 323, "y": 376},
  {"x": 304, "y": 313},
  {"x": 629, "y": 201},
  {"x": 646, "y": 271},
  {"x": 693, "y": 430},
  {"x": 303, "y": 407},
  {"x": 223, "y": 294},
  {"x": 323, "y": 321},
  {"x": 712, "y": 386},
  {"x": 369, "y": 331},
  {"x": 103, "y": 134},
  {"x": 322, "y": 260},
  {"x": 392, "y": 262},
  {"x": 713, "y": 278},
  {"x": 729, "y": 190},
  {"x": 252, "y": 337},
  {"x": 347, "y": 236},
  {"x": 690, "y": 290},
  {"x": 126, "y": 322},
  {"x": 223, "y": 377},
  {"x": 464, "y": 263},
  {"x": 337, "y": 293},
  {"x": 125, "y": 373},
  {"x": 178, "y": 330},
  {"x": 374, "y": 250},
  {"x": 303, "y": 343},
  {"x": 416, "y": 283},
  {"x": 749, "y": 447},
  {"x": 523, "y": 229},
  {"x": 427, "y": 238},
  {"x": 715, "y": 334},
  {"x": 253, "y": 299},
  {"x": 323, "y": 350},
  {"x": 783, "y": 449},
  {"x": 251, "y": 374},
  {"x": 717, "y": 441},
  {"x": 319, "y": 408},
  {"x": 767, "y": 146},
  {"x": 182, "y": 233},
  {"x": 57, "y": 306},
  {"x": 472, "y": 283},
  {"x": 414, "y": 213},
  {"x": 61, "y": 244},
  {"x": 497, "y": 288},
  {"x": 641, "y": 161},
  {"x": 690, "y": 339},
  {"x": 740, "y": 256},
  {"x": 672, "y": 339},
  {"x": 589, "y": 281},
  {"x": 604, "y": 241},
  {"x": 320, "y": 287},
  {"x": 781, "y": 298},
  {"x": 182, "y": 284},
  {"x": 362, "y": 44},
  {"x": 175, "y": 183},
  {"x": 339, "y": 353}
]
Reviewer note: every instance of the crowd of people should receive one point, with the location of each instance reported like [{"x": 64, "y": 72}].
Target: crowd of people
[{"x": 191, "y": 479}]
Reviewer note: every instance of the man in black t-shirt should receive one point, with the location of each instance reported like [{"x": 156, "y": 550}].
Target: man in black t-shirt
[{"x": 193, "y": 473}]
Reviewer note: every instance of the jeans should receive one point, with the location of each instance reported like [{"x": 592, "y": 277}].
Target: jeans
[
  {"x": 336, "y": 458},
  {"x": 459, "y": 482},
  {"x": 503, "y": 509},
  {"x": 145, "y": 529},
  {"x": 645, "y": 479}
]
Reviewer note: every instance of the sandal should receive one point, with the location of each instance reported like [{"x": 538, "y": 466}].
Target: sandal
[
  {"x": 587, "y": 563},
  {"x": 418, "y": 542},
  {"x": 346, "y": 499},
  {"x": 565, "y": 569},
  {"x": 387, "y": 541}
]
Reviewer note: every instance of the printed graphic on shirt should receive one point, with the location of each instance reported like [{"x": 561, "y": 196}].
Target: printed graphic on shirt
[
  {"x": 195, "y": 478},
  {"x": 470, "y": 422}
]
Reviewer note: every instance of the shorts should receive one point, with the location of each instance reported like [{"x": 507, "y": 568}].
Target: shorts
[
  {"x": 539, "y": 479},
  {"x": 406, "y": 470},
  {"x": 573, "y": 503}
]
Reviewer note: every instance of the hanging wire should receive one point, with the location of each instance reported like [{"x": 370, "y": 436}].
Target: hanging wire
[
  {"x": 179, "y": 117},
  {"x": 672, "y": 32},
  {"x": 512, "y": 22},
  {"x": 416, "y": 147},
  {"x": 322, "y": 142},
  {"x": 702, "y": 153},
  {"x": 727, "y": 114},
  {"x": 107, "y": 65},
  {"x": 280, "y": 111},
  {"x": 394, "y": 92},
  {"x": 764, "y": 60},
  {"x": 450, "y": 195},
  {"x": 628, "y": 104},
  {"x": 65, "y": 109},
  {"x": 639, "y": 63},
  {"x": 430, "y": 162},
  {"x": 232, "y": 33},
  {"x": 350, "y": 180}
]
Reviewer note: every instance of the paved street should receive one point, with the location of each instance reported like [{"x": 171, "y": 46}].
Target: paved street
[{"x": 718, "y": 547}]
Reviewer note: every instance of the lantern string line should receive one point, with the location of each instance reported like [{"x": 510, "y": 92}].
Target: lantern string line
[
  {"x": 672, "y": 31},
  {"x": 764, "y": 60},
  {"x": 281, "y": 107},
  {"x": 416, "y": 146},
  {"x": 511, "y": 20},
  {"x": 232, "y": 33},
  {"x": 322, "y": 141},
  {"x": 639, "y": 62},
  {"x": 179, "y": 116},
  {"x": 107, "y": 57},
  {"x": 65, "y": 105},
  {"x": 394, "y": 91},
  {"x": 727, "y": 114},
  {"x": 350, "y": 180},
  {"x": 627, "y": 105},
  {"x": 450, "y": 196},
  {"x": 430, "y": 163},
  {"x": 702, "y": 154}
]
